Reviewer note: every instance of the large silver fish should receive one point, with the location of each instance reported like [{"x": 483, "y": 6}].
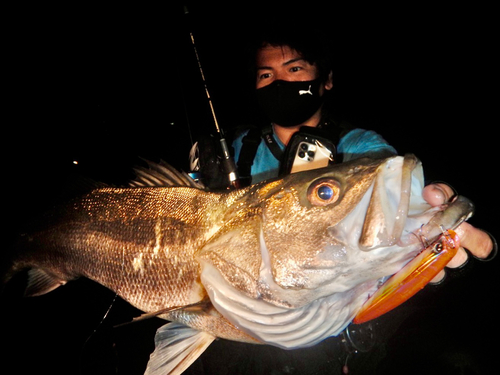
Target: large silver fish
[{"x": 287, "y": 262}]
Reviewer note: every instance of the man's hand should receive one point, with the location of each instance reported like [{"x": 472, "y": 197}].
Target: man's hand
[{"x": 478, "y": 242}]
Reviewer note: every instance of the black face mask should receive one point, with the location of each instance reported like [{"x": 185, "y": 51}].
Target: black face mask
[{"x": 290, "y": 103}]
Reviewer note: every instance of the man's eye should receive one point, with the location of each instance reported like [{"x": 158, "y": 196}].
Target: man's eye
[
  {"x": 264, "y": 75},
  {"x": 295, "y": 69}
]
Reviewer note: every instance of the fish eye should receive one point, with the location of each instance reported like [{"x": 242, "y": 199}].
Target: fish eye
[{"x": 323, "y": 192}]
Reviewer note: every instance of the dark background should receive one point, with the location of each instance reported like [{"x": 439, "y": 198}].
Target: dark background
[{"x": 105, "y": 85}]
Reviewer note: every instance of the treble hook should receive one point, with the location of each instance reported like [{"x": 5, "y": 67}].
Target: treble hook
[{"x": 423, "y": 240}]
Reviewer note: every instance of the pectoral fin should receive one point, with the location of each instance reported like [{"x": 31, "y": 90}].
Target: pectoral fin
[{"x": 176, "y": 348}]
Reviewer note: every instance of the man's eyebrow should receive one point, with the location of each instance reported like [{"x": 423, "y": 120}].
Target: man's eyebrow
[{"x": 291, "y": 61}]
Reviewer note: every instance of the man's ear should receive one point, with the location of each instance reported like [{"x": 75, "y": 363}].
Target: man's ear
[{"x": 329, "y": 81}]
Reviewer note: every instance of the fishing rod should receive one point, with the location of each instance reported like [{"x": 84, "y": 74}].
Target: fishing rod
[{"x": 227, "y": 160}]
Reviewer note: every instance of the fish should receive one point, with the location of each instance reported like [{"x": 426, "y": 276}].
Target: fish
[{"x": 286, "y": 262}]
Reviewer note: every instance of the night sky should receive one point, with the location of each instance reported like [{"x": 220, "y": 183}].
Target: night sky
[{"x": 104, "y": 86}]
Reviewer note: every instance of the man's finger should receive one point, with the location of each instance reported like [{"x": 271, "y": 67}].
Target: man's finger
[
  {"x": 478, "y": 242},
  {"x": 459, "y": 259},
  {"x": 438, "y": 278},
  {"x": 437, "y": 194}
]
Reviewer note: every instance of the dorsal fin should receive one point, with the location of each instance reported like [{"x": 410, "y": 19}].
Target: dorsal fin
[
  {"x": 162, "y": 174},
  {"x": 176, "y": 348}
]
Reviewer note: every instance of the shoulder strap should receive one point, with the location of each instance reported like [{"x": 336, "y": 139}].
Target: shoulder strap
[
  {"x": 335, "y": 130},
  {"x": 272, "y": 145},
  {"x": 250, "y": 143}
]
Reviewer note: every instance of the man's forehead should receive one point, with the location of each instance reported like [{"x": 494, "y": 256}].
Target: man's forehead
[{"x": 277, "y": 54}]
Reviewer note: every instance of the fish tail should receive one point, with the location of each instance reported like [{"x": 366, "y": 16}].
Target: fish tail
[
  {"x": 176, "y": 347},
  {"x": 41, "y": 282},
  {"x": 35, "y": 281}
]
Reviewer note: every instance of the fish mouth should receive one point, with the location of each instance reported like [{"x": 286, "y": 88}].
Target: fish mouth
[
  {"x": 431, "y": 230},
  {"x": 398, "y": 215}
]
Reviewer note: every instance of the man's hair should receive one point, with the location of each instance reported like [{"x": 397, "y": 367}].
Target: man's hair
[{"x": 311, "y": 43}]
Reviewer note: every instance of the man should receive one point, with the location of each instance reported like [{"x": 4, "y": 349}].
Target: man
[{"x": 284, "y": 64}]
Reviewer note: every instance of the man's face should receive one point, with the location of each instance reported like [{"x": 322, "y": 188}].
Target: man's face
[{"x": 283, "y": 63}]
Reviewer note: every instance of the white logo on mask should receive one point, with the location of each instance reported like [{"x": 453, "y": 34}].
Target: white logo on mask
[{"x": 308, "y": 91}]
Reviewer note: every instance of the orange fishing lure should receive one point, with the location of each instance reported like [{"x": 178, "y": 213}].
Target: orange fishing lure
[{"x": 411, "y": 278}]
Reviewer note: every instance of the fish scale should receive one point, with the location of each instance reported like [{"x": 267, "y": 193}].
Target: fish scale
[{"x": 143, "y": 252}]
